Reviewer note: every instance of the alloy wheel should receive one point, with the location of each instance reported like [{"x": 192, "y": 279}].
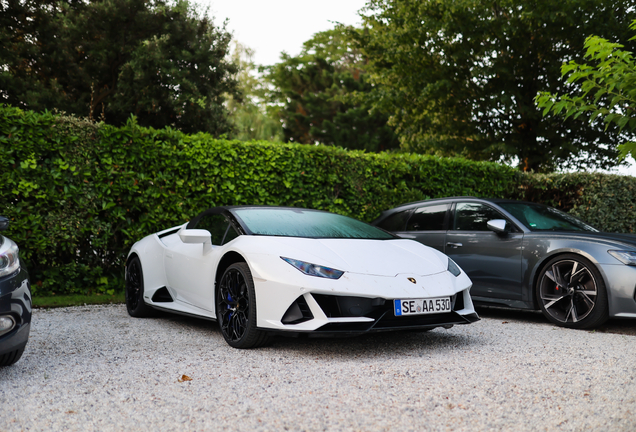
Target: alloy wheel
[
  {"x": 568, "y": 291},
  {"x": 234, "y": 304},
  {"x": 133, "y": 284}
]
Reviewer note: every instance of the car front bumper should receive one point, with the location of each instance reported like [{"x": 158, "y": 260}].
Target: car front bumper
[
  {"x": 621, "y": 289},
  {"x": 355, "y": 303},
  {"x": 15, "y": 303}
]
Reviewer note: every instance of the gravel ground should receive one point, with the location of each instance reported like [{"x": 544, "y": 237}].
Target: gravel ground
[{"x": 94, "y": 368}]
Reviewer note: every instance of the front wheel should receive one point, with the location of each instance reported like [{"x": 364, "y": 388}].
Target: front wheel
[
  {"x": 135, "y": 290},
  {"x": 571, "y": 293},
  {"x": 236, "y": 308}
]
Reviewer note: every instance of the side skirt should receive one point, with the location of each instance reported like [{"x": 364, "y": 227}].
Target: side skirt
[{"x": 176, "y": 312}]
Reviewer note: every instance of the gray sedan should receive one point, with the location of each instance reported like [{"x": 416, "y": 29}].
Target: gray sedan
[{"x": 528, "y": 256}]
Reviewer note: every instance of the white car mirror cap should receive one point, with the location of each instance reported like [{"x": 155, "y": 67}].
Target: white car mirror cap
[
  {"x": 497, "y": 225},
  {"x": 194, "y": 236}
]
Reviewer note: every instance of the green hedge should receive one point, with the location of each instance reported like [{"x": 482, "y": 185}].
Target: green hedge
[
  {"x": 605, "y": 201},
  {"x": 80, "y": 194}
]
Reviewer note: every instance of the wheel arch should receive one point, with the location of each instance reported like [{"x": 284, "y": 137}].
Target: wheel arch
[
  {"x": 131, "y": 256},
  {"x": 228, "y": 259}
]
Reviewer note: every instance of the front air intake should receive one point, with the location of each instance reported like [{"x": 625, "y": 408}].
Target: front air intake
[
  {"x": 348, "y": 306},
  {"x": 459, "y": 301},
  {"x": 298, "y": 312}
]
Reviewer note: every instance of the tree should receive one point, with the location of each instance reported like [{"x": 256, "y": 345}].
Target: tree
[
  {"x": 316, "y": 92},
  {"x": 165, "y": 63},
  {"x": 459, "y": 77},
  {"x": 250, "y": 115},
  {"x": 606, "y": 90}
]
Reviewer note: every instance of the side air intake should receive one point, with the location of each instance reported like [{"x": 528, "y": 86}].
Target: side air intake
[
  {"x": 298, "y": 312},
  {"x": 162, "y": 296}
]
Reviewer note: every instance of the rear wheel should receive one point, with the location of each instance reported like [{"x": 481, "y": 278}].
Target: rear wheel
[
  {"x": 135, "y": 290},
  {"x": 236, "y": 308},
  {"x": 571, "y": 293}
]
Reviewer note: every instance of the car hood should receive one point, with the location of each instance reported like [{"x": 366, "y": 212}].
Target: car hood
[{"x": 364, "y": 256}]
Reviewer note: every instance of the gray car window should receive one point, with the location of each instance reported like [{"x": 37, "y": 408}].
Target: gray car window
[
  {"x": 543, "y": 218},
  {"x": 474, "y": 216},
  {"x": 395, "y": 222},
  {"x": 429, "y": 218}
]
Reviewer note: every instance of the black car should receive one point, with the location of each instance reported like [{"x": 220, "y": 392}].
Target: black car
[
  {"x": 15, "y": 301},
  {"x": 529, "y": 256}
]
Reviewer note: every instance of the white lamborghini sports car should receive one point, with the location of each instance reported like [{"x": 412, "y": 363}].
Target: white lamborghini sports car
[{"x": 261, "y": 271}]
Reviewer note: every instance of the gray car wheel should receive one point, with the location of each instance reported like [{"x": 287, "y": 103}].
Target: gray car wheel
[{"x": 571, "y": 293}]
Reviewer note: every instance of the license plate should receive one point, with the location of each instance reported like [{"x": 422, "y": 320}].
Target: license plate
[{"x": 421, "y": 306}]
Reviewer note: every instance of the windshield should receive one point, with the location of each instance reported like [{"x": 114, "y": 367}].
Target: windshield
[
  {"x": 306, "y": 223},
  {"x": 538, "y": 217}
]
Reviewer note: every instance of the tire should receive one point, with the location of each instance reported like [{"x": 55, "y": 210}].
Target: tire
[
  {"x": 11, "y": 357},
  {"x": 135, "y": 290},
  {"x": 236, "y": 308},
  {"x": 571, "y": 293}
]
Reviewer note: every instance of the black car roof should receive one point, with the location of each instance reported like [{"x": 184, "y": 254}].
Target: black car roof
[{"x": 432, "y": 200}]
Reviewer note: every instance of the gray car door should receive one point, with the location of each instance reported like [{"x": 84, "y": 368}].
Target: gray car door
[{"x": 491, "y": 260}]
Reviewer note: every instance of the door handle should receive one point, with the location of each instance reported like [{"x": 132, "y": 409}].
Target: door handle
[
  {"x": 168, "y": 254},
  {"x": 454, "y": 245}
]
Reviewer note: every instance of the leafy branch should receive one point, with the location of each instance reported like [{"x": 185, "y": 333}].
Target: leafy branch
[{"x": 605, "y": 90}]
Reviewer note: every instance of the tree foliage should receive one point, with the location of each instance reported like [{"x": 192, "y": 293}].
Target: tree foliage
[
  {"x": 163, "y": 62},
  {"x": 460, "y": 76},
  {"x": 316, "y": 92},
  {"x": 251, "y": 117},
  {"x": 605, "y": 90}
]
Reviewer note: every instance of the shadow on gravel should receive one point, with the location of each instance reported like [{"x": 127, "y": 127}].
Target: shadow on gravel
[
  {"x": 615, "y": 326},
  {"x": 397, "y": 342},
  {"x": 390, "y": 344}
]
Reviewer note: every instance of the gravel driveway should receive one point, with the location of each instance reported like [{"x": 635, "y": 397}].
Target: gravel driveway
[{"x": 94, "y": 368}]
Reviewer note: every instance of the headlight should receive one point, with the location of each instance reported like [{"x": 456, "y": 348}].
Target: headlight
[
  {"x": 9, "y": 259},
  {"x": 626, "y": 257},
  {"x": 454, "y": 268},
  {"x": 314, "y": 269}
]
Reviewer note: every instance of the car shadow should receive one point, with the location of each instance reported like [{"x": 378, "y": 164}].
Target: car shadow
[
  {"x": 384, "y": 344},
  {"x": 392, "y": 342},
  {"x": 387, "y": 344},
  {"x": 614, "y": 325}
]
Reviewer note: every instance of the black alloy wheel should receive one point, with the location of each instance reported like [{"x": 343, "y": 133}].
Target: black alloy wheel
[
  {"x": 571, "y": 293},
  {"x": 236, "y": 308},
  {"x": 135, "y": 290}
]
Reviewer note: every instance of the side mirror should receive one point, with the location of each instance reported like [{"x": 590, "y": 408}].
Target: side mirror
[
  {"x": 194, "y": 236},
  {"x": 500, "y": 226},
  {"x": 4, "y": 223}
]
